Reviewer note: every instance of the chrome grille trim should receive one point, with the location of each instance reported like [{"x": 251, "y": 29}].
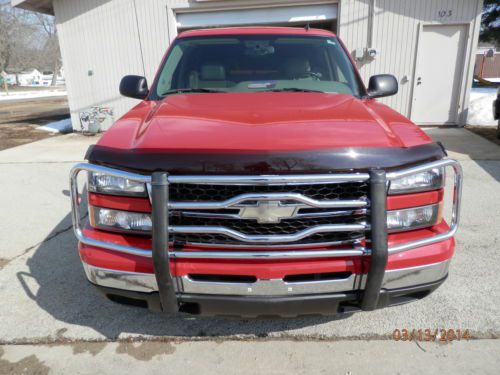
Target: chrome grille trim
[
  {"x": 236, "y": 201},
  {"x": 268, "y": 239},
  {"x": 217, "y": 215},
  {"x": 271, "y": 179},
  {"x": 187, "y": 209}
]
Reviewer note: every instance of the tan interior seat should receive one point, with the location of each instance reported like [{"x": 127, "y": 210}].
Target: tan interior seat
[{"x": 210, "y": 76}]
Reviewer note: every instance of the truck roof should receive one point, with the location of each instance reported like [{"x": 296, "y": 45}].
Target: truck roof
[{"x": 268, "y": 30}]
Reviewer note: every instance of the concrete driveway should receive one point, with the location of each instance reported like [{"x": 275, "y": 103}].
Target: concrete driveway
[{"x": 49, "y": 311}]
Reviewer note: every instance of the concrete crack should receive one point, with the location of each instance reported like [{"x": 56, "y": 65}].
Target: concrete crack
[
  {"x": 59, "y": 339},
  {"x": 4, "y": 262}
]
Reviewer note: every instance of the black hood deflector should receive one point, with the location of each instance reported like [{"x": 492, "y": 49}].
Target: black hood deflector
[{"x": 357, "y": 159}]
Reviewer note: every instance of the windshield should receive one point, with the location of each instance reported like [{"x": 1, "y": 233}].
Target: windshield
[{"x": 256, "y": 63}]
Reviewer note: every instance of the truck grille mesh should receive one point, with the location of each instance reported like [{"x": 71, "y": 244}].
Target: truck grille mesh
[
  {"x": 228, "y": 218},
  {"x": 217, "y": 239},
  {"x": 215, "y": 193}
]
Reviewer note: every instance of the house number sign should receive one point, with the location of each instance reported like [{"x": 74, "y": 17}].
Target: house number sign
[{"x": 443, "y": 13}]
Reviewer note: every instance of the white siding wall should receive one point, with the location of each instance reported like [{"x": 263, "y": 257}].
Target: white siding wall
[
  {"x": 113, "y": 38},
  {"x": 395, "y": 35}
]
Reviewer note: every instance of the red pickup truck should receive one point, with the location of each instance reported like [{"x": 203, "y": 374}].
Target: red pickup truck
[{"x": 259, "y": 177}]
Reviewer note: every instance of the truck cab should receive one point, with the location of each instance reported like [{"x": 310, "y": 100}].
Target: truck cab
[{"x": 258, "y": 176}]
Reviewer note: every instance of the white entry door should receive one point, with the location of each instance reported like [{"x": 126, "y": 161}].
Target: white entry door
[{"x": 439, "y": 73}]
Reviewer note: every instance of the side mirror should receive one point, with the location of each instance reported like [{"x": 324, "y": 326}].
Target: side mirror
[
  {"x": 382, "y": 85},
  {"x": 134, "y": 87}
]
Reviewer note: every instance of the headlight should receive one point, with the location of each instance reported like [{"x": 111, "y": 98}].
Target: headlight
[
  {"x": 107, "y": 184},
  {"x": 429, "y": 180},
  {"x": 106, "y": 218},
  {"x": 413, "y": 218}
]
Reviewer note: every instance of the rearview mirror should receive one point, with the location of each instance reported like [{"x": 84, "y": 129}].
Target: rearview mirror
[
  {"x": 134, "y": 87},
  {"x": 382, "y": 85}
]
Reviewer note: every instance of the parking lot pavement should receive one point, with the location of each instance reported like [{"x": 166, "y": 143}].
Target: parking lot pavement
[{"x": 46, "y": 298}]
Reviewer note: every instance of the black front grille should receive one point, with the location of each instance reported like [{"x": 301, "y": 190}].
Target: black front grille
[
  {"x": 215, "y": 193},
  {"x": 289, "y": 226}
]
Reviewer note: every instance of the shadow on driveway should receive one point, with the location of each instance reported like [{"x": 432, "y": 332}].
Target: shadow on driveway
[{"x": 65, "y": 293}]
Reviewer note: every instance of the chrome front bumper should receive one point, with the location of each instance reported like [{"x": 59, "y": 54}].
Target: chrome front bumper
[{"x": 146, "y": 283}]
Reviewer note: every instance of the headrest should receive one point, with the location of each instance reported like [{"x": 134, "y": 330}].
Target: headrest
[
  {"x": 212, "y": 72},
  {"x": 297, "y": 67}
]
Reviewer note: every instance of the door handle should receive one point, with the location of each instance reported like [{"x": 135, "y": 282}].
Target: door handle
[{"x": 419, "y": 80}]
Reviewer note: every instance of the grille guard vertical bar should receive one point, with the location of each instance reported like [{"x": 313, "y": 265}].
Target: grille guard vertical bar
[
  {"x": 379, "y": 254},
  {"x": 161, "y": 262}
]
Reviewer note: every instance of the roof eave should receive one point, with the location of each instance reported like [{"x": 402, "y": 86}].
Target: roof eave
[{"x": 39, "y": 6}]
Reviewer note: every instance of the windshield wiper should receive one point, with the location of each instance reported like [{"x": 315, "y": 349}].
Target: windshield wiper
[
  {"x": 293, "y": 89},
  {"x": 188, "y": 90}
]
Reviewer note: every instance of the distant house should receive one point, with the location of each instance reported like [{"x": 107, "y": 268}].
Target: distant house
[{"x": 30, "y": 78}]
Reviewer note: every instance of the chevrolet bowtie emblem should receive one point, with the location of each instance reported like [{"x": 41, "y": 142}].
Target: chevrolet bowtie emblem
[{"x": 268, "y": 212}]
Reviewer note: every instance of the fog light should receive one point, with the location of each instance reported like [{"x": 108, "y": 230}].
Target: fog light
[
  {"x": 106, "y": 218},
  {"x": 413, "y": 218}
]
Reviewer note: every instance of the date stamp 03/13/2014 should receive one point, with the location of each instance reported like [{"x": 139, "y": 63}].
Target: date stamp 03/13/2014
[{"x": 428, "y": 334}]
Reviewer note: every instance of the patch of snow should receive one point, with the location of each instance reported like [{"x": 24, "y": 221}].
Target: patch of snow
[
  {"x": 62, "y": 126},
  {"x": 480, "y": 106},
  {"x": 18, "y": 95},
  {"x": 478, "y": 91},
  {"x": 494, "y": 80}
]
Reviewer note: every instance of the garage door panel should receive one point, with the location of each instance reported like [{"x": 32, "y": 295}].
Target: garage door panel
[{"x": 260, "y": 16}]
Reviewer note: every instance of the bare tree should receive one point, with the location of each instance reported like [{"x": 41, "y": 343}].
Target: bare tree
[
  {"x": 51, "y": 52},
  {"x": 28, "y": 40},
  {"x": 8, "y": 27}
]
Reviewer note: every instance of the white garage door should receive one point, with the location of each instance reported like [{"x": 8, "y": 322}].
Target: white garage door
[{"x": 260, "y": 16}]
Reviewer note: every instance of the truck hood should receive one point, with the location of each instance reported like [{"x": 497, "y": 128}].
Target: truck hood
[
  {"x": 260, "y": 123},
  {"x": 263, "y": 121}
]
